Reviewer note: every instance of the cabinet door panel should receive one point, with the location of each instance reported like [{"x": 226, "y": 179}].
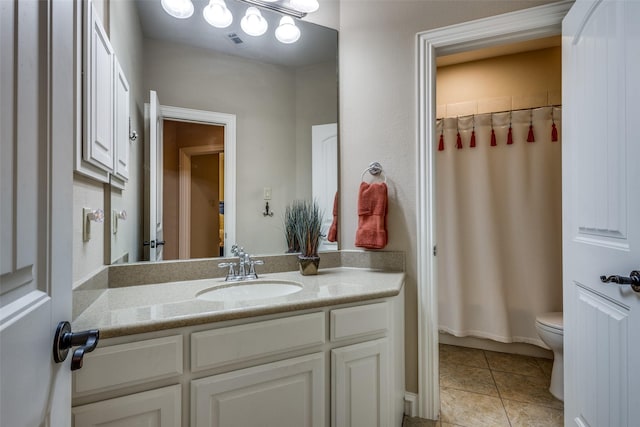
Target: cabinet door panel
[
  {"x": 121, "y": 123},
  {"x": 155, "y": 408},
  {"x": 286, "y": 393},
  {"x": 98, "y": 105},
  {"x": 360, "y": 392}
]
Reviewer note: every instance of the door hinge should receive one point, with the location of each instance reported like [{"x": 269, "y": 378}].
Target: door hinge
[{"x": 435, "y": 250}]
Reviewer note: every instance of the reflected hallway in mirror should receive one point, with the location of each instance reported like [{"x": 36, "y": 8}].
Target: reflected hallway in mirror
[{"x": 193, "y": 190}]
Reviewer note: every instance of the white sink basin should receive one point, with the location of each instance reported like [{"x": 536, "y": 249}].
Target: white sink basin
[{"x": 250, "y": 290}]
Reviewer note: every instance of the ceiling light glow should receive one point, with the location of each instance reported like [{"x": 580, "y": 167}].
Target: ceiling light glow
[
  {"x": 306, "y": 6},
  {"x": 287, "y": 32},
  {"x": 253, "y": 23},
  {"x": 217, "y": 14},
  {"x": 180, "y": 9}
]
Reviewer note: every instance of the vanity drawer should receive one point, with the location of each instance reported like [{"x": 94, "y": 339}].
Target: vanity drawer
[
  {"x": 353, "y": 322},
  {"x": 128, "y": 364},
  {"x": 220, "y": 347}
]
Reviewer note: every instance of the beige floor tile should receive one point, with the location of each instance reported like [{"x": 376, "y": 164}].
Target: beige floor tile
[
  {"x": 528, "y": 415},
  {"x": 515, "y": 363},
  {"x": 468, "y": 378},
  {"x": 523, "y": 388},
  {"x": 419, "y": 422},
  {"x": 468, "y": 409},
  {"x": 451, "y": 355},
  {"x": 546, "y": 365}
]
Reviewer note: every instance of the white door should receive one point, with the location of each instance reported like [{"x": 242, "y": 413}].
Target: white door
[
  {"x": 601, "y": 211},
  {"x": 324, "y": 175},
  {"x": 36, "y": 132},
  {"x": 154, "y": 242}
]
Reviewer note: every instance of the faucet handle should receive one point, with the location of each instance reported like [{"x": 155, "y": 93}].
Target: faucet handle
[
  {"x": 231, "y": 266},
  {"x": 252, "y": 270}
]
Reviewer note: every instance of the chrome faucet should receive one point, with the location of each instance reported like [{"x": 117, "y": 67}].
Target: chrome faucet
[{"x": 244, "y": 262}]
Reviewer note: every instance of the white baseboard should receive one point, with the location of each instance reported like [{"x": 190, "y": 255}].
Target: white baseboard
[
  {"x": 484, "y": 344},
  {"x": 410, "y": 404}
]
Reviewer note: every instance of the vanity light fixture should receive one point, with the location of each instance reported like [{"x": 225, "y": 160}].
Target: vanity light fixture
[
  {"x": 253, "y": 23},
  {"x": 180, "y": 9},
  {"x": 287, "y": 32},
  {"x": 284, "y": 7},
  {"x": 217, "y": 14}
]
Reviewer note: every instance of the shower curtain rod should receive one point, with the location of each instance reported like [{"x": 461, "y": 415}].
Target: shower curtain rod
[{"x": 499, "y": 112}]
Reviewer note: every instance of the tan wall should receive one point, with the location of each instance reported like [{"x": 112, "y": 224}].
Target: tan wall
[
  {"x": 523, "y": 80},
  {"x": 177, "y": 135},
  {"x": 378, "y": 100},
  {"x": 205, "y": 236}
]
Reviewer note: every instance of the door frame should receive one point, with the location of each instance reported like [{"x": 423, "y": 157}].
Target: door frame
[
  {"x": 184, "y": 193},
  {"x": 228, "y": 121},
  {"x": 527, "y": 24}
]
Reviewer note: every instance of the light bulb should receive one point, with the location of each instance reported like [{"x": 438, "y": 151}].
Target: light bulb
[
  {"x": 287, "y": 32},
  {"x": 253, "y": 23},
  {"x": 306, "y": 6},
  {"x": 217, "y": 14},
  {"x": 180, "y": 9}
]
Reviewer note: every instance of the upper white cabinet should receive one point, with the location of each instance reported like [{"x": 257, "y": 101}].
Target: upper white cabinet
[
  {"x": 103, "y": 150},
  {"x": 121, "y": 124},
  {"x": 98, "y": 92}
]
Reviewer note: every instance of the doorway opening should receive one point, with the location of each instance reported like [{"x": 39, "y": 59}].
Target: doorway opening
[
  {"x": 193, "y": 189},
  {"x": 498, "y": 214},
  {"x": 528, "y": 24}
]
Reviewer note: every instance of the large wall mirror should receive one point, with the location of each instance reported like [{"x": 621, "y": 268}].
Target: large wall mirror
[{"x": 283, "y": 98}]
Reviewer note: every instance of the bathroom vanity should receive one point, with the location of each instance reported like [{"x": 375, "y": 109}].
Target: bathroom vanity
[{"x": 331, "y": 353}]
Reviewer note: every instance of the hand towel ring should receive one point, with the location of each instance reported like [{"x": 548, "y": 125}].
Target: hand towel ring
[{"x": 374, "y": 169}]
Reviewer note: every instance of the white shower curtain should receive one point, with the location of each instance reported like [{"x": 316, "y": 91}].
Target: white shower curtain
[{"x": 499, "y": 225}]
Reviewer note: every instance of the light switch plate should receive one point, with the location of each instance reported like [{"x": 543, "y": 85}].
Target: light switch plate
[{"x": 267, "y": 193}]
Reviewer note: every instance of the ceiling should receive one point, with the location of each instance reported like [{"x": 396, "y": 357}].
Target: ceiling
[{"x": 317, "y": 44}]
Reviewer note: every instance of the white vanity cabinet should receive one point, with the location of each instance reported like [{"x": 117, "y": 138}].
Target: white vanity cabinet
[
  {"x": 334, "y": 366},
  {"x": 285, "y": 393}
]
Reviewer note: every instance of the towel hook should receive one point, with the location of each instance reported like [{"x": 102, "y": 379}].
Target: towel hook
[{"x": 375, "y": 169}]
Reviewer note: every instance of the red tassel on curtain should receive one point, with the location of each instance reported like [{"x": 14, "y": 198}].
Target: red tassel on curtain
[
  {"x": 509, "y": 137},
  {"x": 459, "y": 142},
  {"x": 554, "y": 132},
  {"x": 530, "y": 137},
  {"x": 441, "y": 144},
  {"x": 472, "y": 144},
  {"x": 493, "y": 138}
]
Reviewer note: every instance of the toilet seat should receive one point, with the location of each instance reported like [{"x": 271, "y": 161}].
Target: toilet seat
[{"x": 552, "y": 322}]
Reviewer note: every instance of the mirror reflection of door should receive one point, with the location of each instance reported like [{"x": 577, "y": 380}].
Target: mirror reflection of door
[
  {"x": 193, "y": 195},
  {"x": 324, "y": 176}
]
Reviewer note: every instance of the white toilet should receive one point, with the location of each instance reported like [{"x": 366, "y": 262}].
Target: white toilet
[{"x": 551, "y": 331}]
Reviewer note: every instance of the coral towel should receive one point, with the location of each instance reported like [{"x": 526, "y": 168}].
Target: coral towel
[
  {"x": 372, "y": 216},
  {"x": 332, "y": 235}
]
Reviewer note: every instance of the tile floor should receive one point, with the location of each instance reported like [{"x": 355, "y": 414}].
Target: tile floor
[{"x": 480, "y": 388}]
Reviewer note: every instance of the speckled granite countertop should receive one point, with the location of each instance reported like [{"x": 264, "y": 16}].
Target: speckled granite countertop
[{"x": 147, "y": 308}]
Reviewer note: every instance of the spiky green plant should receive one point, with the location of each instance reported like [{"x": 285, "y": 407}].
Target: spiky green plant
[
  {"x": 291, "y": 215},
  {"x": 308, "y": 226}
]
